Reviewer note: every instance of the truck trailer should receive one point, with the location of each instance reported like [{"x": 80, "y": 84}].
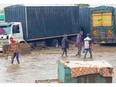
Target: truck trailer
[
  {"x": 43, "y": 24},
  {"x": 103, "y": 25}
]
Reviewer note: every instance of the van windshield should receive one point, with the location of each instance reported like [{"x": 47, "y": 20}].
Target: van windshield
[{"x": 5, "y": 30}]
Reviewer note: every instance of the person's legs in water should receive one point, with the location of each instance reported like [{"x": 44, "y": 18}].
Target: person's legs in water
[
  {"x": 90, "y": 51},
  {"x": 12, "y": 58},
  {"x": 65, "y": 51},
  {"x": 79, "y": 51},
  {"x": 17, "y": 57},
  {"x": 86, "y": 51}
]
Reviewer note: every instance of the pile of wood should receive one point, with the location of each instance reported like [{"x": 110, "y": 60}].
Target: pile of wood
[{"x": 24, "y": 49}]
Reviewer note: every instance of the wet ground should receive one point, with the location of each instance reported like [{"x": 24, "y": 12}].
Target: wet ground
[{"x": 42, "y": 64}]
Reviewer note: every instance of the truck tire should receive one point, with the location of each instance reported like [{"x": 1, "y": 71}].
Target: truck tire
[
  {"x": 55, "y": 43},
  {"x": 22, "y": 42}
]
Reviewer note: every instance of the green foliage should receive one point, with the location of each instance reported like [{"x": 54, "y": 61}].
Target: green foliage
[
  {"x": 1, "y": 11},
  {"x": 82, "y": 5}
]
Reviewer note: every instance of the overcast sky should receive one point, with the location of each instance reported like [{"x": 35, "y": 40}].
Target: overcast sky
[
  {"x": 4, "y": 3},
  {"x": 56, "y": 1}
]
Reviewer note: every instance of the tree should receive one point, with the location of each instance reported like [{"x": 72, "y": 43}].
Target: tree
[
  {"x": 1, "y": 11},
  {"x": 82, "y": 5}
]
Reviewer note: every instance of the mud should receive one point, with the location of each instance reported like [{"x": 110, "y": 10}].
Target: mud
[{"x": 41, "y": 65}]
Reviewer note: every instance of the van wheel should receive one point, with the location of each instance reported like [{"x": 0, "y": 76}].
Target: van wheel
[{"x": 55, "y": 43}]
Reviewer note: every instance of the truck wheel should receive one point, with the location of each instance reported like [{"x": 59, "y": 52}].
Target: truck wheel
[
  {"x": 22, "y": 42},
  {"x": 33, "y": 45},
  {"x": 55, "y": 43}
]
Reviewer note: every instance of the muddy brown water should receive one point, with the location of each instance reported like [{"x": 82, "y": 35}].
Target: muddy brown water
[{"x": 41, "y": 65}]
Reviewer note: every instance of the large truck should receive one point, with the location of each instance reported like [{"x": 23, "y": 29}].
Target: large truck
[
  {"x": 36, "y": 24},
  {"x": 103, "y": 25}
]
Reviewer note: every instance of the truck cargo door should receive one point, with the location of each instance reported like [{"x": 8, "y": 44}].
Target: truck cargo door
[
  {"x": 102, "y": 19},
  {"x": 96, "y": 20},
  {"x": 107, "y": 19},
  {"x": 100, "y": 22}
]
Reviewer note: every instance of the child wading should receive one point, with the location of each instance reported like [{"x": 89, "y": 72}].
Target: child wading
[
  {"x": 88, "y": 45},
  {"x": 14, "y": 48}
]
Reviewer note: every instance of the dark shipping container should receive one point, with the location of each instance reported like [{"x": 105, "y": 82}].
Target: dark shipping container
[
  {"x": 42, "y": 22},
  {"x": 84, "y": 20}
]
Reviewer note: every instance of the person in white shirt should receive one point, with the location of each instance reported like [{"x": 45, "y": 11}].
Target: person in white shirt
[{"x": 88, "y": 46}]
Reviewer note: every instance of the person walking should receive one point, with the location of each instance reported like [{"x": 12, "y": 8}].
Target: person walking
[
  {"x": 14, "y": 48},
  {"x": 88, "y": 46},
  {"x": 64, "y": 44},
  {"x": 79, "y": 43}
]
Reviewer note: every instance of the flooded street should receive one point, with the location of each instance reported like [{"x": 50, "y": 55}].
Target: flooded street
[{"x": 42, "y": 64}]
